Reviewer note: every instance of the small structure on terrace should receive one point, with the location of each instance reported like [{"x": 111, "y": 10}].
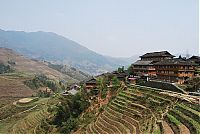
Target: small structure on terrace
[{"x": 91, "y": 83}]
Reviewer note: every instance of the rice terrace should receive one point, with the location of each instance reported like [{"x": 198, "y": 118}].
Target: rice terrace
[{"x": 99, "y": 67}]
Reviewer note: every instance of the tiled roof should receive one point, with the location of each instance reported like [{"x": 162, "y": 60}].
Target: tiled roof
[
  {"x": 195, "y": 57},
  {"x": 93, "y": 80},
  {"x": 142, "y": 62},
  {"x": 175, "y": 61},
  {"x": 73, "y": 91},
  {"x": 157, "y": 54}
]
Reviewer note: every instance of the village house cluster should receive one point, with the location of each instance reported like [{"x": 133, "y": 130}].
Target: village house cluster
[
  {"x": 155, "y": 66},
  {"x": 163, "y": 66}
]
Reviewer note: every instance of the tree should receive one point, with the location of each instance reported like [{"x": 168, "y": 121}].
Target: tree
[
  {"x": 5, "y": 69},
  {"x": 115, "y": 83},
  {"x": 130, "y": 71},
  {"x": 101, "y": 84},
  {"x": 121, "y": 69},
  {"x": 68, "y": 111}
]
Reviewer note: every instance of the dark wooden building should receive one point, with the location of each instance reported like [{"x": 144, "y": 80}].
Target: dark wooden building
[
  {"x": 195, "y": 59},
  {"x": 145, "y": 66},
  {"x": 157, "y": 56},
  {"x": 91, "y": 84},
  {"x": 175, "y": 70}
]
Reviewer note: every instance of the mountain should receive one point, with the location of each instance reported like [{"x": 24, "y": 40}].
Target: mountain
[
  {"x": 25, "y": 65},
  {"x": 58, "y": 49}
]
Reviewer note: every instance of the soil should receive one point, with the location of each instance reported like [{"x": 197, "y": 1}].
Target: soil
[
  {"x": 166, "y": 128},
  {"x": 14, "y": 88},
  {"x": 183, "y": 129}
]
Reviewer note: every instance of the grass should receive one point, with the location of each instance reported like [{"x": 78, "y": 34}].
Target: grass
[
  {"x": 157, "y": 130},
  {"x": 131, "y": 103},
  {"x": 193, "y": 106},
  {"x": 173, "y": 120},
  {"x": 7, "y": 100},
  {"x": 28, "y": 123},
  {"x": 16, "y": 75},
  {"x": 189, "y": 112},
  {"x": 18, "y": 120},
  {"x": 189, "y": 122}
]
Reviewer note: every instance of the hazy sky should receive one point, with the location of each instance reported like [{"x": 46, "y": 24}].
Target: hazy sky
[{"x": 111, "y": 27}]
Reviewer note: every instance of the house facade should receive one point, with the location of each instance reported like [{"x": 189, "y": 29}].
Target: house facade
[
  {"x": 91, "y": 84},
  {"x": 175, "y": 70},
  {"x": 145, "y": 66},
  {"x": 195, "y": 59},
  {"x": 163, "y": 66}
]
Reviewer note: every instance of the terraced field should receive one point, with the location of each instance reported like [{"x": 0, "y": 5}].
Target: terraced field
[
  {"x": 30, "y": 123},
  {"x": 143, "y": 110},
  {"x": 23, "y": 118}
]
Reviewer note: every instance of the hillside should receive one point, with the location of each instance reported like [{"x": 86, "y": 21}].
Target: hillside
[
  {"x": 58, "y": 49},
  {"x": 146, "y": 110},
  {"x": 18, "y": 117},
  {"x": 23, "y": 64},
  {"x": 13, "y": 86}
]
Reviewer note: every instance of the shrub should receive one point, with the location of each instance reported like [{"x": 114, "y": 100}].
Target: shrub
[
  {"x": 42, "y": 81},
  {"x": 5, "y": 69},
  {"x": 67, "y": 112}
]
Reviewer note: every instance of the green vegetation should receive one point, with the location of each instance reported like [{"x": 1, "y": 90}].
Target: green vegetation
[
  {"x": 157, "y": 131},
  {"x": 66, "y": 113},
  {"x": 188, "y": 121},
  {"x": 121, "y": 69},
  {"x": 174, "y": 123},
  {"x": 22, "y": 118},
  {"x": 130, "y": 112},
  {"x": 137, "y": 110},
  {"x": 189, "y": 112},
  {"x": 173, "y": 119},
  {"x": 102, "y": 87},
  {"x": 193, "y": 84},
  {"x": 134, "y": 109},
  {"x": 115, "y": 84},
  {"x": 70, "y": 71},
  {"x": 43, "y": 81},
  {"x": 5, "y": 69}
]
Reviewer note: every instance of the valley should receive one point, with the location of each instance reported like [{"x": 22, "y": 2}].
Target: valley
[
  {"x": 99, "y": 67},
  {"x": 39, "y": 97}
]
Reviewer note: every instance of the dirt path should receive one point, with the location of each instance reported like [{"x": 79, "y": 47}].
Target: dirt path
[
  {"x": 166, "y": 128},
  {"x": 183, "y": 129}
]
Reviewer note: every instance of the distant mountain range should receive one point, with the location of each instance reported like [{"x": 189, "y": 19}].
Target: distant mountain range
[{"x": 58, "y": 49}]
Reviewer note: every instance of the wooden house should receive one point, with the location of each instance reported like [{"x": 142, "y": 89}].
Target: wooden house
[
  {"x": 91, "y": 84},
  {"x": 175, "y": 70},
  {"x": 195, "y": 59},
  {"x": 157, "y": 56},
  {"x": 145, "y": 66}
]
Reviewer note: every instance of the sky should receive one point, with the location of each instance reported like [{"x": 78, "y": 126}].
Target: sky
[{"x": 118, "y": 28}]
